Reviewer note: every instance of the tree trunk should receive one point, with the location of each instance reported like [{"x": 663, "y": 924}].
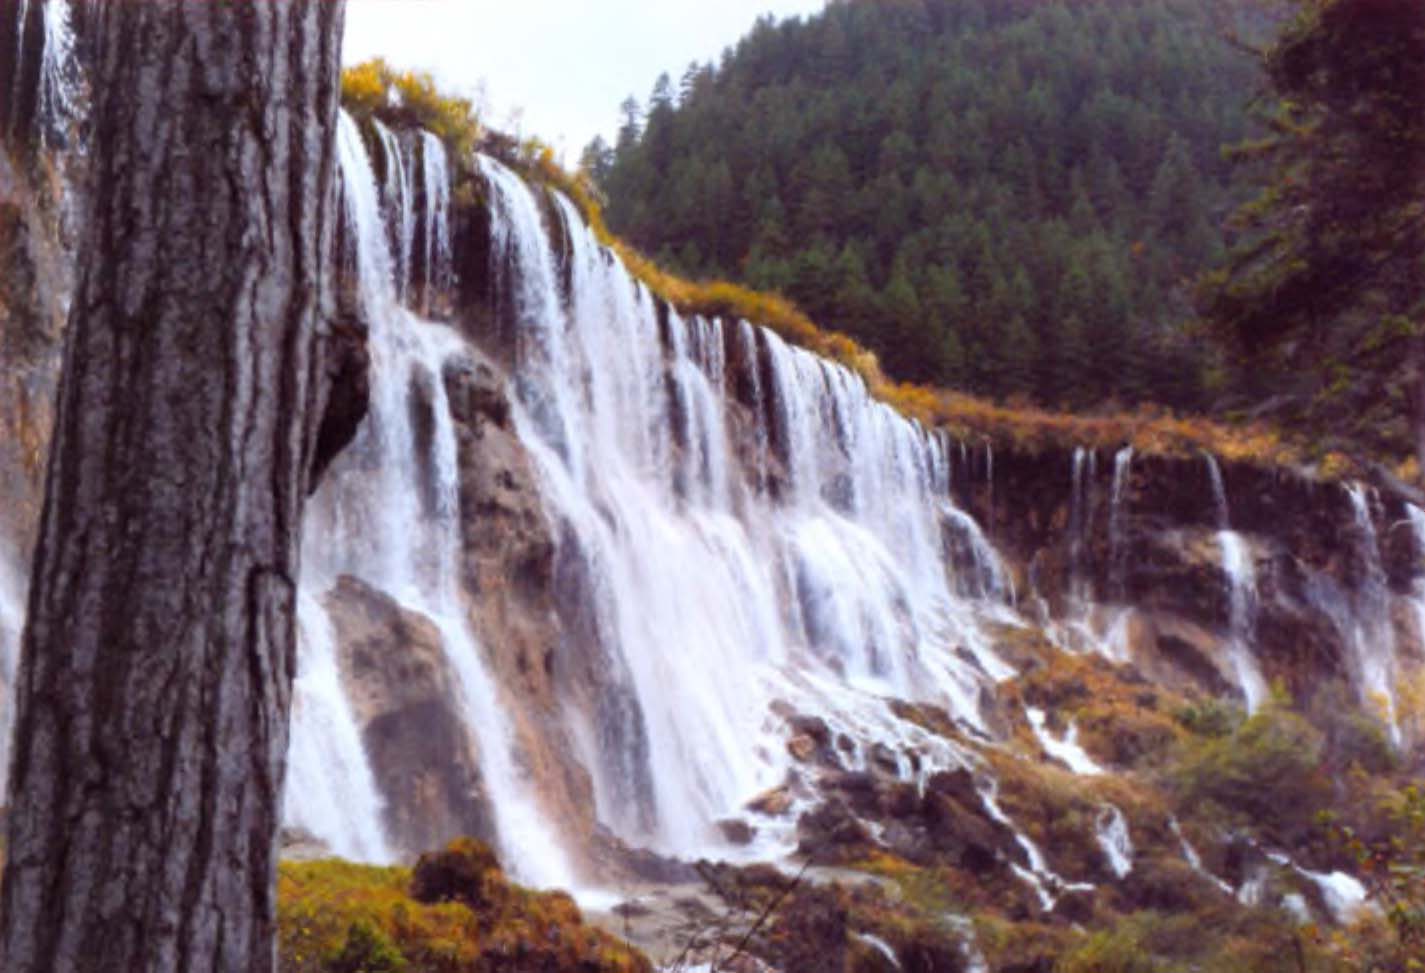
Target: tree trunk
[
  {"x": 21, "y": 49},
  {"x": 155, "y": 686}
]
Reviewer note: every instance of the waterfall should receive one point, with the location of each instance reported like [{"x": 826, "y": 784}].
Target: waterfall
[
  {"x": 1046, "y": 883},
  {"x": 1193, "y": 859},
  {"x": 811, "y": 569},
  {"x": 437, "y": 255},
  {"x": 1343, "y": 895},
  {"x": 12, "y": 623},
  {"x": 1117, "y": 538},
  {"x": 1371, "y": 634},
  {"x": 1416, "y": 517},
  {"x": 1067, "y": 751},
  {"x": 1240, "y": 574},
  {"x": 1115, "y": 841},
  {"x": 331, "y": 792},
  {"x": 58, "y": 98},
  {"x": 1080, "y": 500},
  {"x": 398, "y": 199},
  {"x": 399, "y": 528}
]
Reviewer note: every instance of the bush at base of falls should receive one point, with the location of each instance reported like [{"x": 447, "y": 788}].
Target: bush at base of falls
[
  {"x": 455, "y": 913},
  {"x": 1267, "y": 772},
  {"x": 1260, "y": 941}
]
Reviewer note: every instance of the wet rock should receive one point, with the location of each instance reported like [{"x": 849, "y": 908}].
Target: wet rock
[
  {"x": 883, "y": 758},
  {"x": 949, "y": 825},
  {"x": 407, "y": 704},
  {"x": 811, "y": 933},
  {"x": 802, "y": 748},
  {"x": 773, "y": 803},
  {"x": 299, "y": 845},
  {"x": 737, "y": 831},
  {"x": 833, "y": 835},
  {"x": 613, "y": 858}
]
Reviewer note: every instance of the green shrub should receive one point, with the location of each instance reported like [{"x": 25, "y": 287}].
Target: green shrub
[
  {"x": 1267, "y": 770},
  {"x": 1210, "y": 717},
  {"x": 367, "y": 950}
]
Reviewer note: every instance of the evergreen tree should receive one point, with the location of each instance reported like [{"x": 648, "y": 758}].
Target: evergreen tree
[{"x": 1013, "y": 166}]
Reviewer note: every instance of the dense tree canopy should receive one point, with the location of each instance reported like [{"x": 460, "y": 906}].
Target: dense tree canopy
[
  {"x": 1003, "y": 196},
  {"x": 1325, "y": 293}
]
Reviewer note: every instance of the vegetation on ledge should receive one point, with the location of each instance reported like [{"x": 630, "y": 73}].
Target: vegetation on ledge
[
  {"x": 405, "y": 99},
  {"x": 455, "y": 912}
]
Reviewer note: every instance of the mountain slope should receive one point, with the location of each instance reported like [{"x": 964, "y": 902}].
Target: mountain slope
[{"x": 1005, "y": 197}]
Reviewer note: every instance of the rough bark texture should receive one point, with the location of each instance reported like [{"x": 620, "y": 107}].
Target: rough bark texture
[
  {"x": 156, "y": 678},
  {"x": 21, "y": 46}
]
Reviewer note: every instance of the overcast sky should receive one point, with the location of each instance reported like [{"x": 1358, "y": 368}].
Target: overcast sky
[{"x": 564, "y": 64}]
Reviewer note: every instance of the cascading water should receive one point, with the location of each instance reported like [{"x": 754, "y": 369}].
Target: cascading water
[
  {"x": 1115, "y": 841},
  {"x": 437, "y": 253},
  {"x": 12, "y": 620},
  {"x": 1241, "y": 578},
  {"x": 718, "y": 583},
  {"x": 401, "y": 532},
  {"x": 1047, "y": 884},
  {"x": 331, "y": 792},
  {"x": 398, "y": 199},
  {"x": 1117, "y": 534},
  {"x": 59, "y": 92},
  {"x": 1416, "y": 517},
  {"x": 1370, "y": 632},
  {"x": 1193, "y": 859},
  {"x": 1067, "y": 751}
]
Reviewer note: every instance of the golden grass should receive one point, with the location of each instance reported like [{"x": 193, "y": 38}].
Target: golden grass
[
  {"x": 410, "y": 99},
  {"x": 319, "y": 903}
]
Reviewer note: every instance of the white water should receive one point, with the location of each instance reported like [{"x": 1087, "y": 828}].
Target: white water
[
  {"x": 1113, "y": 837},
  {"x": 1193, "y": 859},
  {"x": 1370, "y": 632},
  {"x": 1343, "y": 895},
  {"x": 1117, "y": 535},
  {"x": 399, "y": 528},
  {"x": 1417, "y": 598},
  {"x": 1082, "y": 472},
  {"x": 1067, "y": 751},
  {"x": 331, "y": 792},
  {"x": 1047, "y": 884},
  {"x": 811, "y": 569},
  {"x": 435, "y": 193},
  {"x": 880, "y": 946},
  {"x": 59, "y": 94},
  {"x": 12, "y": 621},
  {"x": 1240, "y": 572}
]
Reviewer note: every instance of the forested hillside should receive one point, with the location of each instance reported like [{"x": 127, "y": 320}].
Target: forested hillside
[{"x": 1010, "y": 197}]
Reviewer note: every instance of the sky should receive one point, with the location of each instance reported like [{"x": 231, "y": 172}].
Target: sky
[{"x": 563, "y": 65}]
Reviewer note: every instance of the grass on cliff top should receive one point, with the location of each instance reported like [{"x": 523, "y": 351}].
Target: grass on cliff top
[{"x": 404, "y": 99}]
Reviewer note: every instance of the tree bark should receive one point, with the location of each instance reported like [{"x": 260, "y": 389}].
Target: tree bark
[
  {"x": 155, "y": 686},
  {"x": 21, "y": 49}
]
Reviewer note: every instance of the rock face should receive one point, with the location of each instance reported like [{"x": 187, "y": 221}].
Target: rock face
[
  {"x": 1155, "y": 545},
  {"x": 508, "y": 570},
  {"x": 406, "y": 702}
]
